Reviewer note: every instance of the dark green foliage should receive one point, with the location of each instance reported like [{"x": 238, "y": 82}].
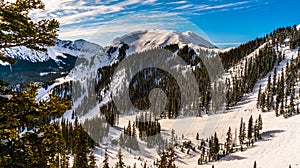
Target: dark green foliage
[
  {"x": 44, "y": 143},
  {"x": 149, "y": 130},
  {"x": 229, "y": 142},
  {"x": 120, "y": 163},
  {"x": 92, "y": 160},
  {"x": 242, "y": 133},
  {"x": 167, "y": 159},
  {"x": 233, "y": 56},
  {"x": 105, "y": 161},
  {"x": 250, "y": 128}
]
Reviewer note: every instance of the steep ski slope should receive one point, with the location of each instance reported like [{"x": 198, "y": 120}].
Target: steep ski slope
[{"x": 280, "y": 143}]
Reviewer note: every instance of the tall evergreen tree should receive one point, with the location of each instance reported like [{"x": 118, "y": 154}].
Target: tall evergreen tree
[
  {"x": 250, "y": 128},
  {"x": 105, "y": 161},
  {"x": 92, "y": 160},
  {"x": 120, "y": 163},
  {"x": 260, "y": 122},
  {"x": 242, "y": 133},
  {"x": 229, "y": 141}
]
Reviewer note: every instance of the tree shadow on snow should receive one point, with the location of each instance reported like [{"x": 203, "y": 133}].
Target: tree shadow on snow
[
  {"x": 271, "y": 133},
  {"x": 232, "y": 157}
]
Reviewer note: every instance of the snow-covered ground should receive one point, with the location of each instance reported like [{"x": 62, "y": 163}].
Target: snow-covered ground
[{"x": 279, "y": 147}]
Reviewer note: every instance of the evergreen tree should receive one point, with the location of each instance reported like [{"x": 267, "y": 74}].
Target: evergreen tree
[
  {"x": 81, "y": 148},
  {"x": 250, "y": 128},
  {"x": 18, "y": 29},
  {"x": 242, "y": 133},
  {"x": 92, "y": 160},
  {"x": 216, "y": 147},
  {"x": 120, "y": 163},
  {"x": 254, "y": 166},
  {"x": 259, "y": 97},
  {"x": 229, "y": 144},
  {"x": 260, "y": 122},
  {"x": 256, "y": 130},
  {"x": 105, "y": 161}
]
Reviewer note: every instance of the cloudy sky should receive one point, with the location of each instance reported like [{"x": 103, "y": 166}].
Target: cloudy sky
[{"x": 224, "y": 22}]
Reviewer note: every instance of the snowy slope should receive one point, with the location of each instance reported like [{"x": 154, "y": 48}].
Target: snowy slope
[
  {"x": 280, "y": 138},
  {"x": 280, "y": 142}
]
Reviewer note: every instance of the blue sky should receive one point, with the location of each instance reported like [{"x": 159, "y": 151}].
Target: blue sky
[{"x": 223, "y": 22}]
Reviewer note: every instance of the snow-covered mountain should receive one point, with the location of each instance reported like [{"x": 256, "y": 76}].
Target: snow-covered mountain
[
  {"x": 61, "y": 48},
  {"x": 35, "y": 66},
  {"x": 148, "y": 39}
]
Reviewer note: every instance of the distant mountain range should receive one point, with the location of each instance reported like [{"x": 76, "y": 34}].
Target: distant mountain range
[{"x": 61, "y": 58}]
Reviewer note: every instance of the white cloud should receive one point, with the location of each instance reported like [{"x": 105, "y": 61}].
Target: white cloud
[
  {"x": 149, "y": 1},
  {"x": 177, "y": 2},
  {"x": 184, "y": 6},
  {"x": 207, "y": 7},
  {"x": 74, "y": 11}
]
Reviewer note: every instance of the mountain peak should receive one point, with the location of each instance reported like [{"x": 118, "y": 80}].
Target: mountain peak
[{"x": 148, "y": 39}]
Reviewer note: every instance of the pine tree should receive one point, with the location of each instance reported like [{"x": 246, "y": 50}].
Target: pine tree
[
  {"x": 92, "y": 160},
  {"x": 254, "y": 166},
  {"x": 260, "y": 122},
  {"x": 228, "y": 141},
  {"x": 242, "y": 133},
  {"x": 216, "y": 147},
  {"x": 197, "y": 136},
  {"x": 105, "y": 161},
  {"x": 120, "y": 163},
  {"x": 259, "y": 97},
  {"x": 18, "y": 29},
  {"x": 80, "y": 150},
  {"x": 250, "y": 128},
  {"x": 256, "y": 130}
]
